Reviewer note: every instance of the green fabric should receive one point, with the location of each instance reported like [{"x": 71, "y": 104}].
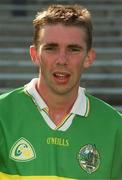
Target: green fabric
[{"x": 56, "y": 152}]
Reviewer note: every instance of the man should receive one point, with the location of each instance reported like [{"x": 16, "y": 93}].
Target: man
[{"x": 52, "y": 128}]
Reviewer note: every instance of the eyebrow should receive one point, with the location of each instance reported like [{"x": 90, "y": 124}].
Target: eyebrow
[
  {"x": 69, "y": 46},
  {"x": 51, "y": 45}
]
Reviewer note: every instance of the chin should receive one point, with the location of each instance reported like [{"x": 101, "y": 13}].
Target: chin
[{"x": 62, "y": 90}]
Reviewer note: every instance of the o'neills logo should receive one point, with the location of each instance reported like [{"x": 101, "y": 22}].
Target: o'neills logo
[
  {"x": 58, "y": 141},
  {"x": 89, "y": 158},
  {"x": 22, "y": 151}
]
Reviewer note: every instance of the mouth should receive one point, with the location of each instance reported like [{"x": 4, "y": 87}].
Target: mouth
[{"x": 61, "y": 77}]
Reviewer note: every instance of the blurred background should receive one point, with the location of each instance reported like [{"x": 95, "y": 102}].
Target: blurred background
[{"x": 103, "y": 79}]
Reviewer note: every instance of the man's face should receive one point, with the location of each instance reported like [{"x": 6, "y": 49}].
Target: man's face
[{"x": 62, "y": 56}]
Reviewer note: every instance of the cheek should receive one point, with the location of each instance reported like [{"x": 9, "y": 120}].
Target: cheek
[
  {"x": 45, "y": 65},
  {"x": 46, "y": 59},
  {"x": 43, "y": 60},
  {"x": 77, "y": 64},
  {"x": 77, "y": 69}
]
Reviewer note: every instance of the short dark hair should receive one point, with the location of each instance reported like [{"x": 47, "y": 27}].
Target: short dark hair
[{"x": 68, "y": 15}]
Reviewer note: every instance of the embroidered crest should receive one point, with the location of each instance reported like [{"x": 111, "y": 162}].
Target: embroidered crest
[
  {"x": 22, "y": 151},
  {"x": 89, "y": 158}
]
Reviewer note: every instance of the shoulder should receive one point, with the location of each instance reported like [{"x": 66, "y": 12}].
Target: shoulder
[
  {"x": 99, "y": 108},
  {"x": 11, "y": 96}
]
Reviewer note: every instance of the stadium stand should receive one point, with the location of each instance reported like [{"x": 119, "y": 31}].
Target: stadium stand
[{"x": 103, "y": 79}]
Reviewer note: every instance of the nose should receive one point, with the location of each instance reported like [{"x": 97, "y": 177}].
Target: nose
[{"x": 62, "y": 58}]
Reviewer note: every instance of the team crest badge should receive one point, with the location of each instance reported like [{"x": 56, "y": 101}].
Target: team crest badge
[
  {"x": 22, "y": 151},
  {"x": 89, "y": 158}
]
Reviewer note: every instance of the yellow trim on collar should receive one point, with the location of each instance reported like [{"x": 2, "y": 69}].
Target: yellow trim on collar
[
  {"x": 87, "y": 107},
  {"x": 63, "y": 121}
]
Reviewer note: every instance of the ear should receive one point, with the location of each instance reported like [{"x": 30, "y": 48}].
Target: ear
[
  {"x": 34, "y": 55},
  {"x": 91, "y": 56}
]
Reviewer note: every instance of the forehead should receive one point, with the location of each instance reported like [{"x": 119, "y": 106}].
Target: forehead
[{"x": 62, "y": 34}]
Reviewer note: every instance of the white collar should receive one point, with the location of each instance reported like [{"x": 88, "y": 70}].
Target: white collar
[
  {"x": 80, "y": 107},
  {"x": 31, "y": 89}
]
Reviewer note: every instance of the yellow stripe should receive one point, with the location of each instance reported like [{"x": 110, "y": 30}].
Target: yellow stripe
[
  {"x": 4, "y": 176},
  {"x": 87, "y": 107},
  {"x": 46, "y": 109},
  {"x": 63, "y": 121}
]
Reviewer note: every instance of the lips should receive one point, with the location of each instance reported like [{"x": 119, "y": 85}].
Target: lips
[{"x": 61, "y": 77}]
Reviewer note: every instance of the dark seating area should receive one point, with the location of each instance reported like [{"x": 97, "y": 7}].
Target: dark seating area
[{"x": 103, "y": 79}]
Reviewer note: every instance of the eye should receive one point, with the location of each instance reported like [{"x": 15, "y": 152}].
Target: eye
[
  {"x": 50, "y": 47},
  {"x": 74, "y": 49}
]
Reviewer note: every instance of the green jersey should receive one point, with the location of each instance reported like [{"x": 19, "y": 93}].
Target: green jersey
[{"x": 91, "y": 148}]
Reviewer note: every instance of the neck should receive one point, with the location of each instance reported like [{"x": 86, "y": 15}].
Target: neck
[{"x": 59, "y": 105}]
